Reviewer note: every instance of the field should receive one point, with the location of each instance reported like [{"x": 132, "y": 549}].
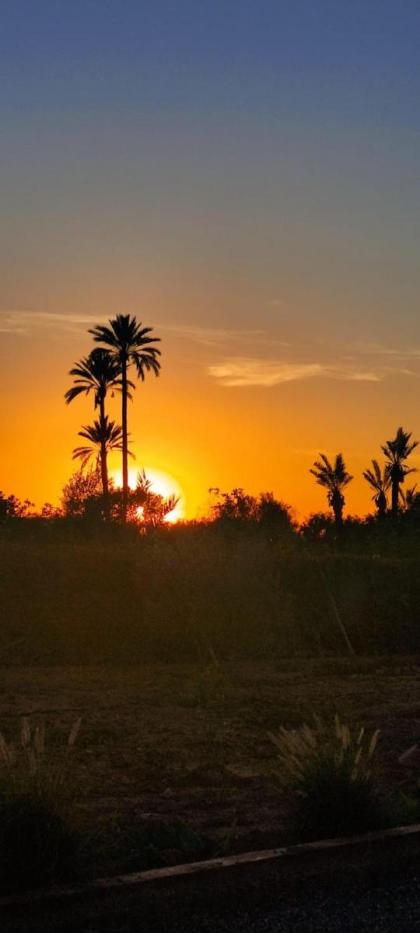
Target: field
[
  {"x": 182, "y": 651},
  {"x": 194, "y": 595},
  {"x": 173, "y": 742}
]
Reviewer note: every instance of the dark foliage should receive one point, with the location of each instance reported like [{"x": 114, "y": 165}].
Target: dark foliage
[
  {"x": 333, "y": 803},
  {"x": 37, "y": 844}
]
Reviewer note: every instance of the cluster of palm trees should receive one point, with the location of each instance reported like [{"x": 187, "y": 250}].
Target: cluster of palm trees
[
  {"x": 124, "y": 347},
  {"x": 334, "y": 477}
]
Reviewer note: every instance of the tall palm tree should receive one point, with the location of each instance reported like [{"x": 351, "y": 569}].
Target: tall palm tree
[
  {"x": 333, "y": 477},
  {"x": 130, "y": 344},
  {"x": 103, "y": 436},
  {"x": 380, "y": 481},
  {"x": 396, "y": 452},
  {"x": 96, "y": 374}
]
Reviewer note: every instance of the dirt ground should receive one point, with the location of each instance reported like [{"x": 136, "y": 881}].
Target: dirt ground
[{"x": 180, "y": 743}]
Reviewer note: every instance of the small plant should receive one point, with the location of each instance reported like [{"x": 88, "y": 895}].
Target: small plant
[
  {"x": 329, "y": 771},
  {"x": 408, "y": 806},
  {"x": 37, "y": 843},
  {"x": 28, "y": 765},
  {"x": 144, "y": 845}
]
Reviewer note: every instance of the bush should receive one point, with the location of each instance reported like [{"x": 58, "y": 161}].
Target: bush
[
  {"x": 328, "y": 771},
  {"x": 38, "y": 845}
]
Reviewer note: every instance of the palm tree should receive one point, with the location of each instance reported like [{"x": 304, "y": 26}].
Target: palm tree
[
  {"x": 95, "y": 374},
  {"x": 396, "y": 452},
  {"x": 380, "y": 482},
  {"x": 130, "y": 344},
  {"x": 103, "y": 436},
  {"x": 333, "y": 478}
]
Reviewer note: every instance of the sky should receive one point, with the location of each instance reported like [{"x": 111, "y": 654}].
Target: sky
[{"x": 241, "y": 176}]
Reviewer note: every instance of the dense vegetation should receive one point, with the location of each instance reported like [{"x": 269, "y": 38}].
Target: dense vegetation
[{"x": 81, "y": 591}]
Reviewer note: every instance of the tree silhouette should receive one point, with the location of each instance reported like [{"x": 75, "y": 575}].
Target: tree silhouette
[
  {"x": 130, "y": 345},
  {"x": 103, "y": 437},
  {"x": 13, "y": 507},
  {"x": 96, "y": 374},
  {"x": 81, "y": 489},
  {"x": 380, "y": 482},
  {"x": 147, "y": 507},
  {"x": 333, "y": 478},
  {"x": 397, "y": 452},
  {"x": 411, "y": 497}
]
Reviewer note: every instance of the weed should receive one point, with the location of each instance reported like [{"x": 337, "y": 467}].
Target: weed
[
  {"x": 38, "y": 844},
  {"x": 328, "y": 769}
]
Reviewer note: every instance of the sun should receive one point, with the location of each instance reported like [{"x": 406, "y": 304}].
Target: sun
[{"x": 164, "y": 484}]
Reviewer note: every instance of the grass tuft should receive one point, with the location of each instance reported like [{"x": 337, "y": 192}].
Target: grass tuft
[
  {"x": 38, "y": 844},
  {"x": 328, "y": 769}
]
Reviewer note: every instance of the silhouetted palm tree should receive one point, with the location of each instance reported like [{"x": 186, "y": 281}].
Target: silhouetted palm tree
[
  {"x": 103, "y": 436},
  {"x": 396, "y": 452},
  {"x": 130, "y": 345},
  {"x": 411, "y": 497},
  {"x": 95, "y": 374},
  {"x": 333, "y": 477},
  {"x": 380, "y": 482}
]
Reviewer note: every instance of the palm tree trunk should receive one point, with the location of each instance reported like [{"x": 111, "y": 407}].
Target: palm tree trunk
[
  {"x": 104, "y": 464},
  {"x": 337, "y": 505},
  {"x": 124, "y": 437},
  {"x": 381, "y": 504},
  {"x": 394, "y": 497}
]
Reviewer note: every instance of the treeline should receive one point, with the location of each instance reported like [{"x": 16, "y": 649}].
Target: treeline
[
  {"x": 84, "y": 498},
  {"x": 124, "y": 350}
]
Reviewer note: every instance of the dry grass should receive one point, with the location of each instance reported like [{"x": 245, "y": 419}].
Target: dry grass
[
  {"x": 298, "y": 748},
  {"x": 328, "y": 768},
  {"x": 29, "y": 764}
]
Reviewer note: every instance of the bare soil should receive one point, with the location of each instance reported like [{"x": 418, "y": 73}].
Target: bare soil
[{"x": 172, "y": 742}]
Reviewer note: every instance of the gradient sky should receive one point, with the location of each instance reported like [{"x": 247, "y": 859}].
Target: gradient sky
[{"x": 244, "y": 176}]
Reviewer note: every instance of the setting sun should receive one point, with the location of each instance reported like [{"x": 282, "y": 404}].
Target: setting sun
[{"x": 164, "y": 484}]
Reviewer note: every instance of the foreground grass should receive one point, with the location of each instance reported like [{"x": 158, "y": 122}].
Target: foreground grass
[{"x": 188, "y": 743}]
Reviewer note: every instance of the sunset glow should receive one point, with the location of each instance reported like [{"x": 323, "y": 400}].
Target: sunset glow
[{"x": 162, "y": 483}]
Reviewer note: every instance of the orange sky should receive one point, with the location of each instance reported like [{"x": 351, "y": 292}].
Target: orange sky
[{"x": 189, "y": 422}]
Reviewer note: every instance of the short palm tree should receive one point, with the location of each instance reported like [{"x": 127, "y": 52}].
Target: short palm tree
[
  {"x": 333, "y": 477},
  {"x": 103, "y": 436},
  {"x": 397, "y": 452},
  {"x": 96, "y": 374},
  {"x": 380, "y": 481},
  {"x": 129, "y": 344}
]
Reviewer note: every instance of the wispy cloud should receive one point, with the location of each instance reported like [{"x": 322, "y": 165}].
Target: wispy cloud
[
  {"x": 22, "y": 323},
  {"x": 211, "y": 336},
  {"x": 246, "y": 371},
  {"x": 379, "y": 349},
  {"x": 250, "y": 371}
]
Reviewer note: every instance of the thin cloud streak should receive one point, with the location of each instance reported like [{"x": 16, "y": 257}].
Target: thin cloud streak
[
  {"x": 250, "y": 371},
  {"x": 379, "y": 349},
  {"x": 211, "y": 336},
  {"x": 22, "y": 322},
  {"x": 245, "y": 371}
]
